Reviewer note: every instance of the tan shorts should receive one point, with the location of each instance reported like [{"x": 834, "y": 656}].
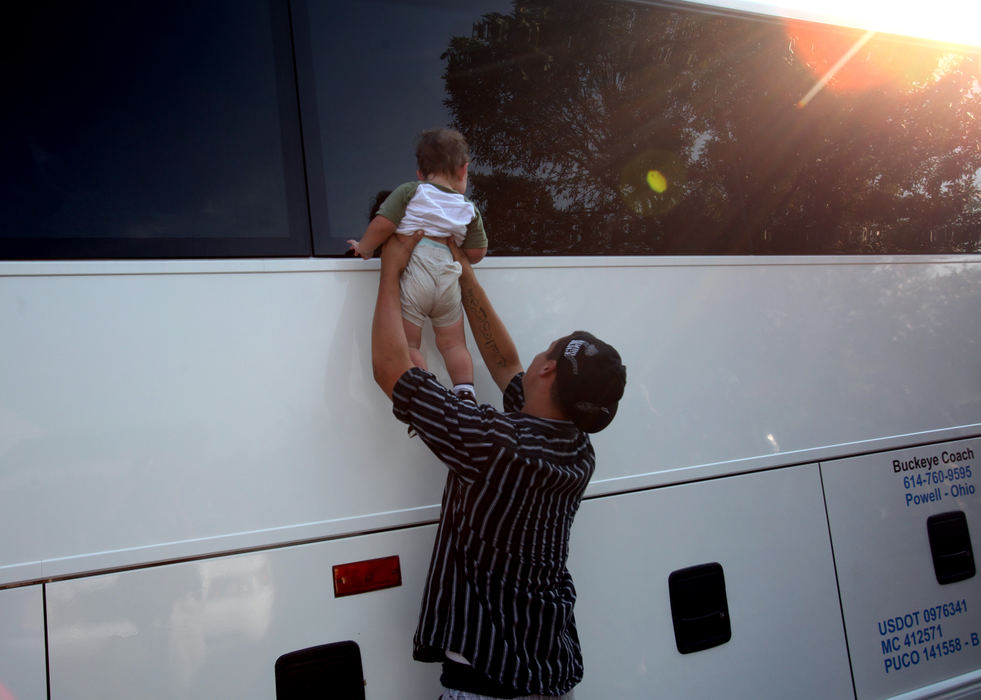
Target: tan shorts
[{"x": 430, "y": 286}]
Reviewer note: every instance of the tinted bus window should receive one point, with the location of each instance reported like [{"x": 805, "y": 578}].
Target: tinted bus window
[
  {"x": 630, "y": 128},
  {"x": 150, "y": 129},
  {"x": 377, "y": 76}
]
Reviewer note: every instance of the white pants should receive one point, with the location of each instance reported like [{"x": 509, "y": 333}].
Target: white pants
[{"x": 430, "y": 286}]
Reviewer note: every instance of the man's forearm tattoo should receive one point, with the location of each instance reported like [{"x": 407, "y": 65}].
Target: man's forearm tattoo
[{"x": 481, "y": 326}]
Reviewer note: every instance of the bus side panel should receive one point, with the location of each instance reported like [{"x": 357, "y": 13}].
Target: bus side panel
[
  {"x": 733, "y": 362},
  {"x": 22, "y": 673},
  {"x": 905, "y": 628},
  {"x": 215, "y": 628},
  {"x": 769, "y": 533},
  {"x": 175, "y": 402}
]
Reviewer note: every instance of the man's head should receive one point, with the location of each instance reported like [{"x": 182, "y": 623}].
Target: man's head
[
  {"x": 441, "y": 152},
  {"x": 589, "y": 380}
]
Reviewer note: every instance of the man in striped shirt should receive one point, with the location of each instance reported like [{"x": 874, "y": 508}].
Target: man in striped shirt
[{"x": 497, "y": 609}]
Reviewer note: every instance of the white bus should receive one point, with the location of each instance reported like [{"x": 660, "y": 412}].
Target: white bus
[{"x": 776, "y": 221}]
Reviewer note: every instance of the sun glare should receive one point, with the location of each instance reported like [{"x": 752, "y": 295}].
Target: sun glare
[
  {"x": 847, "y": 56},
  {"x": 851, "y": 60},
  {"x": 948, "y": 21}
]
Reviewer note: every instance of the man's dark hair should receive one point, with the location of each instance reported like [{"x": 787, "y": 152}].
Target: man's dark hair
[
  {"x": 590, "y": 379},
  {"x": 441, "y": 152},
  {"x": 376, "y": 203}
]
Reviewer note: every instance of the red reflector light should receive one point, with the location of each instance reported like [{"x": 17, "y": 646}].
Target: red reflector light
[{"x": 368, "y": 575}]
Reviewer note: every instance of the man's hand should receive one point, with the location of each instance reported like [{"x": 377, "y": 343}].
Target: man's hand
[
  {"x": 467, "y": 276},
  {"x": 397, "y": 251}
]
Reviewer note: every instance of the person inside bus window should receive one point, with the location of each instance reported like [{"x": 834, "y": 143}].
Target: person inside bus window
[
  {"x": 497, "y": 609},
  {"x": 436, "y": 205}
]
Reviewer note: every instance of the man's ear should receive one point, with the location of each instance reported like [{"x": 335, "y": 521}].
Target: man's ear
[
  {"x": 420, "y": 176},
  {"x": 548, "y": 367}
]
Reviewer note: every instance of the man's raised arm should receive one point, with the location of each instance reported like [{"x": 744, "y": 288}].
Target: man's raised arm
[
  {"x": 492, "y": 338},
  {"x": 389, "y": 348}
]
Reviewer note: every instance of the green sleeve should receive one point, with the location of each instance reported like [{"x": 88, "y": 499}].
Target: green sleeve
[
  {"x": 393, "y": 208},
  {"x": 476, "y": 236}
]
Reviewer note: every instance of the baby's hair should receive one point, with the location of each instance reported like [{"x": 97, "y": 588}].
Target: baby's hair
[{"x": 441, "y": 152}]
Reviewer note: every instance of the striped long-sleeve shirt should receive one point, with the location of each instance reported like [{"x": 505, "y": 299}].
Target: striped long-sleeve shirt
[{"x": 498, "y": 592}]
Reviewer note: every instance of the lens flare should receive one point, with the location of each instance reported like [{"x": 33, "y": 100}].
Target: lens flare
[
  {"x": 656, "y": 181},
  {"x": 653, "y": 181}
]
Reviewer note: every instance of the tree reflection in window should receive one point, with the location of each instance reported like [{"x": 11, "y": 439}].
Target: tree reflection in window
[{"x": 623, "y": 128}]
